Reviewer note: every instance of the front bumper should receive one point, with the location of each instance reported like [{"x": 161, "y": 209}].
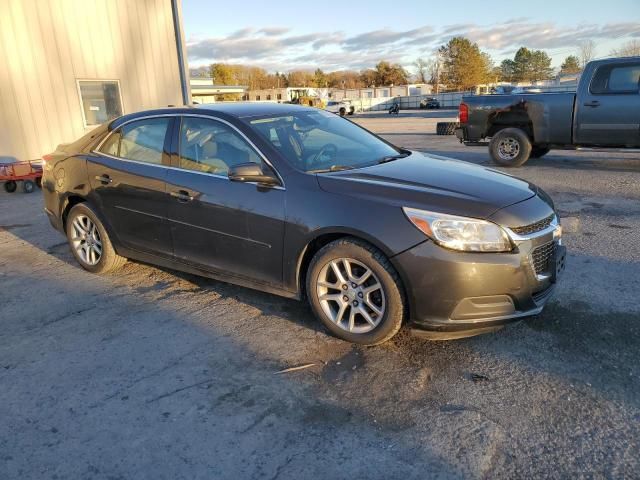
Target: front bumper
[{"x": 458, "y": 294}]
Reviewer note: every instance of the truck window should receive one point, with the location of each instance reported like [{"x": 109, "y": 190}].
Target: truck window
[{"x": 616, "y": 79}]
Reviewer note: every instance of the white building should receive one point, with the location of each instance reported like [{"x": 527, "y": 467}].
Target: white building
[{"x": 69, "y": 65}]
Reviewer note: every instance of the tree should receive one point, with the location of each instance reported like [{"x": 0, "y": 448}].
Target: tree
[
  {"x": 422, "y": 68},
  {"x": 463, "y": 64},
  {"x": 540, "y": 66},
  {"x": 586, "y": 51},
  {"x": 344, "y": 79},
  {"x": 530, "y": 65},
  {"x": 570, "y": 65},
  {"x": 222, "y": 74},
  {"x": 629, "y": 49},
  {"x": 385, "y": 74},
  {"x": 368, "y": 78},
  {"x": 319, "y": 79},
  {"x": 508, "y": 70}
]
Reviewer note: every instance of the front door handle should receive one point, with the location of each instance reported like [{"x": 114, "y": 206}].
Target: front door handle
[
  {"x": 595, "y": 103},
  {"x": 103, "y": 179},
  {"x": 182, "y": 195}
]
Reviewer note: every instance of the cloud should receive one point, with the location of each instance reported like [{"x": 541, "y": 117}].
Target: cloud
[{"x": 275, "y": 48}]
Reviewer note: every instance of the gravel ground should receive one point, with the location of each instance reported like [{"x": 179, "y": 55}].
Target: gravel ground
[{"x": 150, "y": 373}]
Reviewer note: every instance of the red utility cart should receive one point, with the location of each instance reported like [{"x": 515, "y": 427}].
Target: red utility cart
[{"x": 29, "y": 173}]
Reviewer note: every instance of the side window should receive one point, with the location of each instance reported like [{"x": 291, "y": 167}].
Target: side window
[
  {"x": 616, "y": 78},
  {"x": 212, "y": 147},
  {"x": 143, "y": 140},
  {"x": 112, "y": 144}
]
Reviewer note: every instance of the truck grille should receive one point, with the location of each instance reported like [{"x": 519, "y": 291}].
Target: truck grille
[
  {"x": 534, "y": 227},
  {"x": 543, "y": 257}
]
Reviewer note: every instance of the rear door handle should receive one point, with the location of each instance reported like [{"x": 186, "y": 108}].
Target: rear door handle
[
  {"x": 595, "y": 103},
  {"x": 182, "y": 195},
  {"x": 103, "y": 179}
]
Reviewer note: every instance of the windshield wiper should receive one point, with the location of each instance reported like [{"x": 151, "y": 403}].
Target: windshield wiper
[
  {"x": 391, "y": 158},
  {"x": 332, "y": 168}
]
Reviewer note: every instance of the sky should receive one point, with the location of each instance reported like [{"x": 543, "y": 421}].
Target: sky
[{"x": 334, "y": 35}]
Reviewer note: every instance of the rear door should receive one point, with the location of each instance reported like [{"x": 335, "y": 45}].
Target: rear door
[
  {"x": 219, "y": 225},
  {"x": 128, "y": 179},
  {"x": 608, "y": 109}
]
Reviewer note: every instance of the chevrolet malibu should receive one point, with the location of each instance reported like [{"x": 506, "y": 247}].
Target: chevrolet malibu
[{"x": 301, "y": 203}]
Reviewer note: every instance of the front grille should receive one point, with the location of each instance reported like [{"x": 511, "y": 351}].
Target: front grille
[
  {"x": 543, "y": 257},
  {"x": 534, "y": 227}
]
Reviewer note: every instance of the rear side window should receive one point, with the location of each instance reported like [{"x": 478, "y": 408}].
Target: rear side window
[
  {"x": 142, "y": 141},
  {"x": 616, "y": 79}
]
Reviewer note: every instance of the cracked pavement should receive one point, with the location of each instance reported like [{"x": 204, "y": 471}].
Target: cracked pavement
[{"x": 152, "y": 373}]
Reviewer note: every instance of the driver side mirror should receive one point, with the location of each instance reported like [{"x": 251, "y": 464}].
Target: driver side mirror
[{"x": 252, "y": 172}]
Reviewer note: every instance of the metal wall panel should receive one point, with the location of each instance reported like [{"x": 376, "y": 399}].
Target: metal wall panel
[{"x": 46, "y": 46}]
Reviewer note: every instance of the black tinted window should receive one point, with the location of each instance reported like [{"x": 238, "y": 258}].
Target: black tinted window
[
  {"x": 616, "y": 78},
  {"x": 142, "y": 140},
  {"x": 211, "y": 146}
]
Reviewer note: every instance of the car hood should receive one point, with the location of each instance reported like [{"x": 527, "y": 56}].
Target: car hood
[{"x": 431, "y": 182}]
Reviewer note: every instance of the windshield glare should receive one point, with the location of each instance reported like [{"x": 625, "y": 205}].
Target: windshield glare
[{"x": 321, "y": 141}]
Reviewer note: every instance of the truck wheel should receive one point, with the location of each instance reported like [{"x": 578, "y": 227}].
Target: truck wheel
[
  {"x": 10, "y": 186},
  {"x": 28, "y": 186},
  {"x": 537, "y": 152},
  {"x": 342, "y": 111},
  {"x": 446, "y": 128},
  {"x": 510, "y": 147}
]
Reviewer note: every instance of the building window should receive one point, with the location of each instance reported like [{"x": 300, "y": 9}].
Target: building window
[
  {"x": 101, "y": 101},
  {"x": 279, "y": 96},
  {"x": 257, "y": 97},
  {"x": 268, "y": 97}
]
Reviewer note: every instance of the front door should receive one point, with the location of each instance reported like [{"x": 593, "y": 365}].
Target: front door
[
  {"x": 608, "y": 110},
  {"x": 128, "y": 180},
  {"x": 219, "y": 225}
]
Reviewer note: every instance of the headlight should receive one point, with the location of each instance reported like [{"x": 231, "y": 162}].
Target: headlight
[{"x": 460, "y": 233}]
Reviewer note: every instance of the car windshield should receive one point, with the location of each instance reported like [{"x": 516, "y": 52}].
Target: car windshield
[{"x": 318, "y": 141}]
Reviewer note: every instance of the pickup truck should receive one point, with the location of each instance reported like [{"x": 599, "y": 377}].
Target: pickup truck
[{"x": 604, "y": 112}]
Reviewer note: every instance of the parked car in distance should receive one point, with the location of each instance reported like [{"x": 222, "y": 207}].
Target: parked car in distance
[
  {"x": 342, "y": 107},
  {"x": 604, "y": 112},
  {"x": 301, "y": 203},
  {"x": 430, "y": 103}
]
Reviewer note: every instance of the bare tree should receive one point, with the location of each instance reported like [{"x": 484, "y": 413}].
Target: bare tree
[
  {"x": 586, "y": 51},
  {"x": 629, "y": 49},
  {"x": 433, "y": 71},
  {"x": 421, "y": 70}
]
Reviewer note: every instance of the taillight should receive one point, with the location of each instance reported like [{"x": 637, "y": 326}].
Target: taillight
[{"x": 463, "y": 113}]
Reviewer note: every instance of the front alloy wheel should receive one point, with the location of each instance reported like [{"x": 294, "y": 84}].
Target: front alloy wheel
[
  {"x": 355, "y": 292},
  {"x": 351, "y": 295}
]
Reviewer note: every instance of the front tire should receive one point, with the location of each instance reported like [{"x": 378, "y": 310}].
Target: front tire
[
  {"x": 342, "y": 112},
  {"x": 355, "y": 292},
  {"x": 90, "y": 242},
  {"x": 510, "y": 147}
]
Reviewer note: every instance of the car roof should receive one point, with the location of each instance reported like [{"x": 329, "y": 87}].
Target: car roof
[{"x": 233, "y": 109}]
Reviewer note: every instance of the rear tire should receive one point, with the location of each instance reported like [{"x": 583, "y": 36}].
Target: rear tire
[
  {"x": 342, "y": 111},
  {"x": 538, "y": 152},
  {"x": 10, "y": 186},
  {"x": 90, "y": 242},
  {"x": 446, "y": 128},
  {"x": 28, "y": 186},
  {"x": 510, "y": 147},
  {"x": 371, "y": 309}
]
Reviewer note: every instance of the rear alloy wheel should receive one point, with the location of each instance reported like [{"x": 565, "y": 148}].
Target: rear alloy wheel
[
  {"x": 89, "y": 241},
  {"x": 355, "y": 292},
  {"x": 510, "y": 147}
]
